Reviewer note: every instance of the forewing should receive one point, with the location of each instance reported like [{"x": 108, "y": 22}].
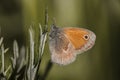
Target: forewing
[{"x": 77, "y": 38}]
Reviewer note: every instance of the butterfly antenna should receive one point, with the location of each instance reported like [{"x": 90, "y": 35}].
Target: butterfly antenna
[{"x": 54, "y": 21}]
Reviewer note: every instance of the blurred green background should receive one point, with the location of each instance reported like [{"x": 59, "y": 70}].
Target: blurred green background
[{"x": 102, "y": 62}]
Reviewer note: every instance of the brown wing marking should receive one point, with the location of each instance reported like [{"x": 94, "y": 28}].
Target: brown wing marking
[
  {"x": 75, "y": 35},
  {"x": 61, "y": 43}
]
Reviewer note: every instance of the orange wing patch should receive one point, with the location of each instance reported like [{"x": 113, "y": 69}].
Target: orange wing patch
[{"x": 75, "y": 35}]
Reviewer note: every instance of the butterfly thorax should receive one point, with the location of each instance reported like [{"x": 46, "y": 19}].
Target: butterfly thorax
[{"x": 55, "y": 32}]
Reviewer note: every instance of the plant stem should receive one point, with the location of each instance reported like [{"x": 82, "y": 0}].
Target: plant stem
[{"x": 49, "y": 66}]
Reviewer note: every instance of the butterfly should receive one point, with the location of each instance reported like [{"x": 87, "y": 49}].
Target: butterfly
[{"x": 66, "y": 43}]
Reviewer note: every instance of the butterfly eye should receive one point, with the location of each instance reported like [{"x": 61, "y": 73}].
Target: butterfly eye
[{"x": 86, "y": 37}]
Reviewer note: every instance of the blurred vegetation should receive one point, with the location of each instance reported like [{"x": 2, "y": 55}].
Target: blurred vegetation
[{"x": 102, "y": 62}]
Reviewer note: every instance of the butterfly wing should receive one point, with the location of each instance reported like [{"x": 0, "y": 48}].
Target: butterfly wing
[
  {"x": 63, "y": 43},
  {"x": 81, "y": 39},
  {"x": 62, "y": 52}
]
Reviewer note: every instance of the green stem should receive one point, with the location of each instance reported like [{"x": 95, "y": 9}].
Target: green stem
[{"x": 47, "y": 70}]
